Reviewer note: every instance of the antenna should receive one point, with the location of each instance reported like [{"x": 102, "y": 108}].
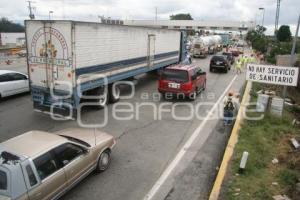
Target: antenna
[
  {"x": 31, "y": 15},
  {"x": 95, "y": 136}
]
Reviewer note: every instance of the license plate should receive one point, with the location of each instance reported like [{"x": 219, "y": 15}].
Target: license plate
[
  {"x": 218, "y": 62},
  {"x": 174, "y": 85}
]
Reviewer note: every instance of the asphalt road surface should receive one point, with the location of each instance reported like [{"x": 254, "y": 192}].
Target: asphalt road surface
[{"x": 143, "y": 164}]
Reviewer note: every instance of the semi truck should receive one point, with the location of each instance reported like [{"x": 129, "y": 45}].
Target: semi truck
[
  {"x": 70, "y": 62},
  {"x": 204, "y": 45},
  {"x": 200, "y": 46},
  {"x": 216, "y": 44}
]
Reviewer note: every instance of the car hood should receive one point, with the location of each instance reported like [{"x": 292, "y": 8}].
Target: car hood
[
  {"x": 90, "y": 136},
  {"x": 2, "y": 197}
]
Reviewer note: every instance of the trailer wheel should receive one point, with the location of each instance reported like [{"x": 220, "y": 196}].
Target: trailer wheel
[
  {"x": 114, "y": 93},
  {"x": 103, "y": 100}
]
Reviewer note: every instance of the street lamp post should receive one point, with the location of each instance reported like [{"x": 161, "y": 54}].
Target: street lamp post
[
  {"x": 50, "y": 12},
  {"x": 263, "y": 17}
]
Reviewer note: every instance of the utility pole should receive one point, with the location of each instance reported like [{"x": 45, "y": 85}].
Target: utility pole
[
  {"x": 31, "y": 15},
  {"x": 263, "y": 17},
  {"x": 292, "y": 54},
  {"x": 277, "y": 16}
]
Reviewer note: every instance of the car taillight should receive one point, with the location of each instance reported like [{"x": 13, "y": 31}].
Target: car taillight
[{"x": 187, "y": 86}]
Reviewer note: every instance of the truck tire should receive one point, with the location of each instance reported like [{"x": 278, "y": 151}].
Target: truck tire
[
  {"x": 102, "y": 102},
  {"x": 114, "y": 96}
]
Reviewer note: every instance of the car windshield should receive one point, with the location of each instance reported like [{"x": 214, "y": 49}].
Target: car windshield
[
  {"x": 3, "y": 181},
  {"x": 175, "y": 75}
]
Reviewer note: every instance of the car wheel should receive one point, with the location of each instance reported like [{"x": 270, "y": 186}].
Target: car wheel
[
  {"x": 103, "y": 161},
  {"x": 211, "y": 69},
  {"x": 226, "y": 70},
  {"x": 204, "y": 86},
  {"x": 193, "y": 95},
  {"x": 114, "y": 96}
]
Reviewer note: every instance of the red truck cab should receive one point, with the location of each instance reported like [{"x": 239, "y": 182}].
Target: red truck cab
[{"x": 186, "y": 80}]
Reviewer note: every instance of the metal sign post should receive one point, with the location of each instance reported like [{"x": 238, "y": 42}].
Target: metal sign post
[{"x": 292, "y": 55}]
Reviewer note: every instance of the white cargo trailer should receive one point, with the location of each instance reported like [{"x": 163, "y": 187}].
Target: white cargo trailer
[{"x": 68, "y": 61}]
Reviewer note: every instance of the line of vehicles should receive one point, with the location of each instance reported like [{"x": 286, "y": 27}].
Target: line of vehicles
[{"x": 70, "y": 62}]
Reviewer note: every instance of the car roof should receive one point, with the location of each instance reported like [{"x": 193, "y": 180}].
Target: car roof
[
  {"x": 8, "y": 71},
  {"x": 181, "y": 67},
  {"x": 32, "y": 143}
]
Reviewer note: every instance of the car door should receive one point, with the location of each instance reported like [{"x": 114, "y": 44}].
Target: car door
[
  {"x": 5, "y": 85},
  {"x": 19, "y": 83},
  {"x": 77, "y": 161},
  {"x": 51, "y": 176}
]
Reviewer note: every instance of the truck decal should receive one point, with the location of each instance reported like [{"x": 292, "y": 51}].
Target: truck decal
[{"x": 46, "y": 51}]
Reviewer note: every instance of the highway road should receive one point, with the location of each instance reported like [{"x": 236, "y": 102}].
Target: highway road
[{"x": 143, "y": 165}]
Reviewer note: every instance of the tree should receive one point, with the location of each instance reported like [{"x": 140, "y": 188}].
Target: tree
[
  {"x": 284, "y": 34},
  {"x": 181, "y": 16},
  {"x": 8, "y": 26},
  {"x": 258, "y": 39}
]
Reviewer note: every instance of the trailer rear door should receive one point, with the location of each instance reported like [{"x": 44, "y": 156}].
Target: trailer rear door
[{"x": 49, "y": 54}]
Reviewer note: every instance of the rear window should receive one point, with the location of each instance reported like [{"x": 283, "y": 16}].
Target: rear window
[
  {"x": 3, "y": 180},
  {"x": 175, "y": 75},
  {"x": 218, "y": 58},
  {"x": 227, "y": 54}
]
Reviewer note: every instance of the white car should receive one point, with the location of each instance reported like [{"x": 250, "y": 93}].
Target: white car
[{"x": 12, "y": 83}]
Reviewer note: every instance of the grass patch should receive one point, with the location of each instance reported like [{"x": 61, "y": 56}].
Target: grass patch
[{"x": 265, "y": 140}]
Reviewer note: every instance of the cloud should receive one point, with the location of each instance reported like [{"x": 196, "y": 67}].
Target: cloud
[{"x": 89, "y": 10}]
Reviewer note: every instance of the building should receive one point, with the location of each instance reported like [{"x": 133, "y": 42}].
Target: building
[{"x": 12, "y": 39}]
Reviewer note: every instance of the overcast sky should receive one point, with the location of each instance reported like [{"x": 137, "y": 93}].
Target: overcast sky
[{"x": 89, "y": 10}]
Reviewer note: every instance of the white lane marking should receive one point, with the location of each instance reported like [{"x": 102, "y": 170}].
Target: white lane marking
[{"x": 186, "y": 146}]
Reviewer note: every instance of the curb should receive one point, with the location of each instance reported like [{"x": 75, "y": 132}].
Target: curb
[{"x": 215, "y": 192}]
